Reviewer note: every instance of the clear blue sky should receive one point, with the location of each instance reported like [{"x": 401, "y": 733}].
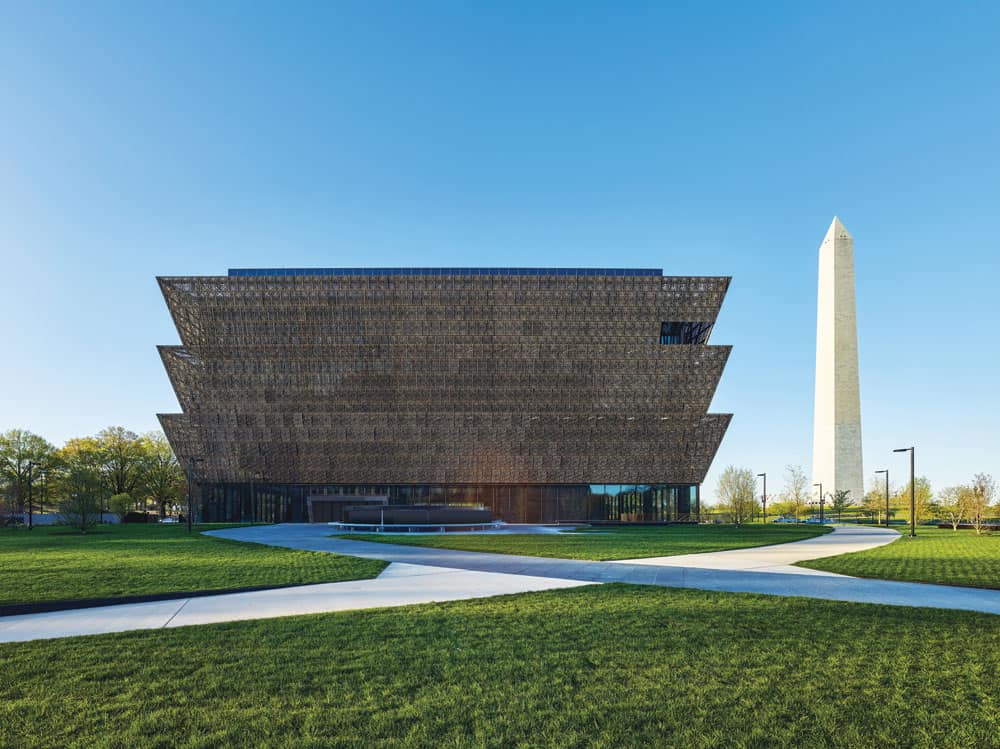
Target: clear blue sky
[{"x": 704, "y": 138}]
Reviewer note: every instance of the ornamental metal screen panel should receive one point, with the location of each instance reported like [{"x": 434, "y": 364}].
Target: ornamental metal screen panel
[{"x": 444, "y": 376}]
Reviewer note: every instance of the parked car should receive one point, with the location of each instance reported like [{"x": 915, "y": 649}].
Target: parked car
[
  {"x": 169, "y": 520},
  {"x": 784, "y": 519}
]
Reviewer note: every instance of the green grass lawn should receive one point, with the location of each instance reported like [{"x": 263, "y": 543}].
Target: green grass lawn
[
  {"x": 607, "y": 543},
  {"x": 56, "y": 563},
  {"x": 610, "y": 666},
  {"x": 936, "y": 555}
]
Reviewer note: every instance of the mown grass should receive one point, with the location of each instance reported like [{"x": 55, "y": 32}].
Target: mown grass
[
  {"x": 56, "y": 563},
  {"x": 610, "y": 666},
  {"x": 608, "y": 543},
  {"x": 936, "y": 555}
]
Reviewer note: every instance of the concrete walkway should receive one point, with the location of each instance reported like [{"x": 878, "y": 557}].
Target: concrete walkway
[
  {"x": 398, "y": 585},
  {"x": 780, "y": 557},
  {"x": 763, "y": 570},
  {"x": 423, "y": 575}
]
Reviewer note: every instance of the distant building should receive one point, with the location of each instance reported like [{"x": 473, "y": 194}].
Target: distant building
[
  {"x": 544, "y": 394},
  {"x": 837, "y": 419}
]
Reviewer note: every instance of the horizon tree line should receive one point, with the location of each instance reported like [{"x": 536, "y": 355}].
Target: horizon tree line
[
  {"x": 971, "y": 503},
  {"x": 115, "y": 470}
]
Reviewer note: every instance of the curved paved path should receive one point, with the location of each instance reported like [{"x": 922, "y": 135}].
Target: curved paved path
[
  {"x": 421, "y": 575},
  {"x": 780, "y": 557},
  {"x": 398, "y": 585},
  {"x": 760, "y": 570}
]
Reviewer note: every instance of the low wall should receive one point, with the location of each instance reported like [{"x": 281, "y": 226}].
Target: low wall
[
  {"x": 418, "y": 515},
  {"x": 52, "y": 518}
]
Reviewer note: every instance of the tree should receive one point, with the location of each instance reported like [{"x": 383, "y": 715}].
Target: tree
[
  {"x": 923, "y": 500},
  {"x": 781, "y": 507},
  {"x": 983, "y": 490},
  {"x": 78, "y": 457},
  {"x": 123, "y": 456},
  {"x": 955, "y": 503},
  {"x": 80, "y": 506},
  {"x": 120, "y": 504},
  {"x": 736, "y": 493},
  {"x": 164, "y": 480},
  {"x": 6, "y": 496},
  {"x": 874, "y": 504},
  {"x": 840, "y": 501},
  {"x": 18, "y": 448},
  {"x": 796, "y": 492},
  {"x": 875, "y": 499}
]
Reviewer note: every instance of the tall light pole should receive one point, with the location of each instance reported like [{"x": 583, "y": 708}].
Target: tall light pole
[
  {"x": 191, "y": 461},
  {"x": 820, "y": 485},
  {"x": 43, "y": 474},
  {"x": 886, "y": 472},
  {"x": 764, "y": 495},
  {"x": 913, "y": 490},
  {"x": 31, "y": 466},
  {"x": 255, "y": 476}
]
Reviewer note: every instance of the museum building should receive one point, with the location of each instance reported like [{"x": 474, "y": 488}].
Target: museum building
[{"x": 542, "y": 394}]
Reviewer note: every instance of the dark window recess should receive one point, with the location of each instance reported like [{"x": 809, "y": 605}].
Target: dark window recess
[{"x": 685, "y": 332}]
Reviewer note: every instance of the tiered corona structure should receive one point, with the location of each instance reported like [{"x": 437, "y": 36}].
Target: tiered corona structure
[
  {"x": 543, "y": 394},
  {"x": 837, "y": 419}
]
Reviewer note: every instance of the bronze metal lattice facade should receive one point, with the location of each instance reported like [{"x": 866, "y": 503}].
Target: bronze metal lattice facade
[{"x": 514, "y": 388}]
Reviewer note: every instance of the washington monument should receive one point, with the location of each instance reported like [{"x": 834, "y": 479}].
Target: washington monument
[{"x": 837, "y": 416}]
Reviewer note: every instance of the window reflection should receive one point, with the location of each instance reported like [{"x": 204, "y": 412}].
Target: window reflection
[{"x": 528, "y": 503}]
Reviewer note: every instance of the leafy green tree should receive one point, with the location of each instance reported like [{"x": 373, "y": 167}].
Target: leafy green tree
[
  {"x": 80, "y": 457},
  {"x": 782, "y": 508},
  {"x": 874, "y": 504},
  {"x": 80, "y": 483},
  {"x": 80, "y": 505},
  {"x": 120, "y": 504},
  {"x": 875, "y": 499},
  {"x": 736, "y": 493},
  {"x": 923, "y": 500},
  {"x": 123, "y": 456},
  {"x": 840, "y": 501},
  {"x": 18, "y": 448},
  {"x": 164, "y": 480}
]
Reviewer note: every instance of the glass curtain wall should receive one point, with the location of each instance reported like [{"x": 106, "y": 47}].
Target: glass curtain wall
[{"x": 528, "y": 503}]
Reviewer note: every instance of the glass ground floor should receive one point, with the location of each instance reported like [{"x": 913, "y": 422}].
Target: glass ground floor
[{"x": 520, "y": 503}]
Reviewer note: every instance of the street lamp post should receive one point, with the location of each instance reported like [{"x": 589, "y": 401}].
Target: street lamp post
[
  {"x": 820, "y": 485},
  {"x": 31, "y": 466},
  {"x": 763, "y": 496},
  {"x": 191, "y": 461},
  {"x": 886, "y": 472},
  {"x": 255, "y": 476},
  {"x": 913, "y": 490},
  {"x": 43, "y": 474}
]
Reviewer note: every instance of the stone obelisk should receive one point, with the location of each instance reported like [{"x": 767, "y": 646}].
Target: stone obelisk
[{"x": 837, "y": 416}]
